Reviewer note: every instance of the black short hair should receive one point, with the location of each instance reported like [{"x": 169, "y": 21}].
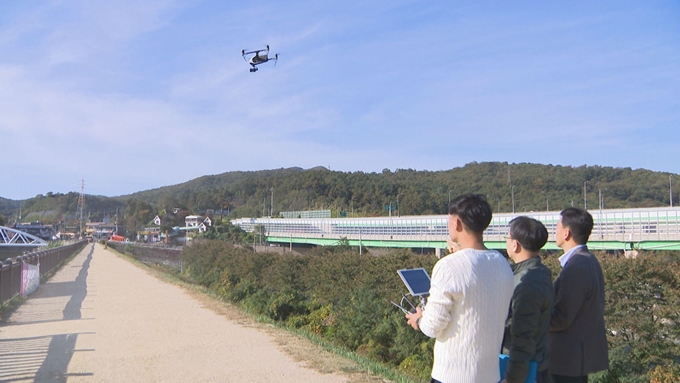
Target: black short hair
[
  {"x": 473, "y": 211},
  {"x": 529, "y": 232},
  {"x": 579, "y": 222}
]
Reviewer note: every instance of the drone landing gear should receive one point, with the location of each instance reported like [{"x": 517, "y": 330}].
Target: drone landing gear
[{"x": 252, "y": 70}]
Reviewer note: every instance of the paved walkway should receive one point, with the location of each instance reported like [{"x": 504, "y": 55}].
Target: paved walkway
[{"x": 102, "y": 319}]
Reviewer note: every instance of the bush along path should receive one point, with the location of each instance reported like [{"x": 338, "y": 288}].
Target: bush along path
[{"x": 344, "y": 298}]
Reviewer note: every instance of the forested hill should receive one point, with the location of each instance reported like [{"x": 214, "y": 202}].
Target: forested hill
[
  {"x": 536, "y": 187},
  {"x": 212, "y": 182},
  {"x": 7, "y": 206},
  {"x": 248, "y": 194}
]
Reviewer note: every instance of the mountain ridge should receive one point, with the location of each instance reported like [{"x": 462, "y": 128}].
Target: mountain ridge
[{"x": 250, "y": 193}]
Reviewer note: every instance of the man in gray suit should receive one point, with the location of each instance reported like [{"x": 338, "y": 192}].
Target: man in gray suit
[{"x": 577, "y": 342}]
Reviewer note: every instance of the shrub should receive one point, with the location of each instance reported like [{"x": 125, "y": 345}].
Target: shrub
[
  {"x": 344, "y": 297},
  {"x": 665, "y": 374}
]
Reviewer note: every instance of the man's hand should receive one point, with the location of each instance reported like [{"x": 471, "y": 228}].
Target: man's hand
[
  {"x": 452, "y": 246},
  {"x": 413, "y": 318}
]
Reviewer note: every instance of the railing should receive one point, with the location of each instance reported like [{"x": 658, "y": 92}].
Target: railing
[{"x": 10, "y": 269}]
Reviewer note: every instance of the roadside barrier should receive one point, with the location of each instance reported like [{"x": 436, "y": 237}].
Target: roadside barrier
[{"x": 46, "y": 260}]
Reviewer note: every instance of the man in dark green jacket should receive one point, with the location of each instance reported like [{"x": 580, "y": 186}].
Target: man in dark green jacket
[{"x": 526, "y": 329}]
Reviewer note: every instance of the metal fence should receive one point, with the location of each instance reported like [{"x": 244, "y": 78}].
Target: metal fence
[{"x": 10, "y": 269}]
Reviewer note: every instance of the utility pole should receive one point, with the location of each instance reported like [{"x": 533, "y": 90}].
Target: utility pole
[
  {"x": 271, "y": 207},
  {"x": 513, "y": 199},
  {"x": 81, "y": 204},
  {"x": 670, "y": 187},
  {"x": 360, "y": 251},
  {"x": 599, "y": 191},
  {"x": 585, "y": 199},
  {"x": 599, "y": 224}
]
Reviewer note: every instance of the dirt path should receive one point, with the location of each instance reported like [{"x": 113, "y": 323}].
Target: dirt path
[{"x": 103, "y": 319}]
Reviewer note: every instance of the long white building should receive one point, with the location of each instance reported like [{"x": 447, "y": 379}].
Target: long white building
[{"x": 625, "y": 229}]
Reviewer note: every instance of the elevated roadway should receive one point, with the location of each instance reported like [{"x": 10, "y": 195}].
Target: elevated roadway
[{"x": 614, "y": 229}]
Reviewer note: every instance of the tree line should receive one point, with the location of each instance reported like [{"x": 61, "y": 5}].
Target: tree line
[{"x": 508, "y": 187}]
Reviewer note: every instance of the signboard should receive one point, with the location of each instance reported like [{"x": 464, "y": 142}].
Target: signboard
[{"x": 30, "y": 278}]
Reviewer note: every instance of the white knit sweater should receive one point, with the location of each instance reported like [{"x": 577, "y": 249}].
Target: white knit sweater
[{"x": 469, "y": 298}]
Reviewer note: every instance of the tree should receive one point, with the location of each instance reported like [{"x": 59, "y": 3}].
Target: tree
[{"x": 642, "y": 312}]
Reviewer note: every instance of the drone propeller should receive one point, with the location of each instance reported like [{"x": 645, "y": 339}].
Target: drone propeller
[{"x": 256, "y": 51}]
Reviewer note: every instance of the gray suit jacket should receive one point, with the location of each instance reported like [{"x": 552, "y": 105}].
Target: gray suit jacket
[{"x": 577, "y": 341}]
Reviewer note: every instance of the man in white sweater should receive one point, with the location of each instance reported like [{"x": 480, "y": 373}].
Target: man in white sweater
[{"x": 469, "y": 298}]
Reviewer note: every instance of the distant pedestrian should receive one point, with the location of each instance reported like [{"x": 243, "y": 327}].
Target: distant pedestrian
[{"x": 577, "y": 342}]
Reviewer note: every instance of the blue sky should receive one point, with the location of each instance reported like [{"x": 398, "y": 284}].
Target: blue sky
[{"x": 130, "y": 95}]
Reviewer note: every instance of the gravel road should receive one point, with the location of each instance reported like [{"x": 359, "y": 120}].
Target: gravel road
[{"x": 102, "y": 318}]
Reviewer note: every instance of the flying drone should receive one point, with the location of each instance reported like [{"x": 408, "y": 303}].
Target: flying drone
[{"x": 258, "y": 57}]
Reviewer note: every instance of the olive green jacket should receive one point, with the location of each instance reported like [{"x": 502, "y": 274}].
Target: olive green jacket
[{"x": 526, "y": 329}]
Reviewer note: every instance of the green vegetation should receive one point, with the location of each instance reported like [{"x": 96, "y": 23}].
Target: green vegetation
[
  {"x": 248, "y": 194},
  {"x": 643, "y": 309},
  {"x": 55, "y": 244},
  {"x": 7, "y": 206},
  {"x": 9, "y": 306},
  {"x": 339, "y": 296},
  {"x": 225, "y": 231},
  {"x": 343, "y": 298}
]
